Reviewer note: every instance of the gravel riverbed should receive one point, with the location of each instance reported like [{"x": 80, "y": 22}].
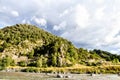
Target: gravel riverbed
[{"x": 52, "y": 76}]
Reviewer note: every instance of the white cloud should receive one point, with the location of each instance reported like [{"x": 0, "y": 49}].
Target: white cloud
[
  {"x": 15, "y": 13},
  {"x": 99, "y": 14},
  {"x": 66, "y": 12},
  {"x": 25, "y": 21},
  {"x": 99, "y": 1},
  {"x": 61, "y": 26},
  {"x": 93, "y": 23},
  {"x": 100, "y": 29},
  {"x": 81, "y": 16},
  {"x": 39, "y": 21}
]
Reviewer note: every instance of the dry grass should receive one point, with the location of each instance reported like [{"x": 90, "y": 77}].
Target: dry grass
[{"x": 73, "y": 69}]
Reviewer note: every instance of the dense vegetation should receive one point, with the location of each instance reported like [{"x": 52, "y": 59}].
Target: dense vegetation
[{"x": 29, "y": 46}]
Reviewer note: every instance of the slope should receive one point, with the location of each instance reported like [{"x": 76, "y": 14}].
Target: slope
[{"x": 27, "y": 45}]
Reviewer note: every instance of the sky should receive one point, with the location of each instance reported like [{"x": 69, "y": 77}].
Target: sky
[{"x": 91, "y": 24}]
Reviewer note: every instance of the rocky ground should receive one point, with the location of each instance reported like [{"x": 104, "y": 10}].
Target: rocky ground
[{"x": 54, "y": 76}]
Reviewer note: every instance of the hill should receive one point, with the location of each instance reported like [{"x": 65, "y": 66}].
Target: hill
[{"x": 29, "y": 46}]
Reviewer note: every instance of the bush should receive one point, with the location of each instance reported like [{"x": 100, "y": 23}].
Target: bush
[
  {"x": 22, "y": 64},
  {"x": 6, "y": 61},
  {"x": 31, "y": 69}
]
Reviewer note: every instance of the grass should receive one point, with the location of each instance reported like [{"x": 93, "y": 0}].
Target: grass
[{"x": 74, "y": 69}]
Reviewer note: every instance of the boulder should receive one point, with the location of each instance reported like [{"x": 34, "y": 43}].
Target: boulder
[
  {"x": 67, "y": 76},
  {"x": 59, "y": 76}
]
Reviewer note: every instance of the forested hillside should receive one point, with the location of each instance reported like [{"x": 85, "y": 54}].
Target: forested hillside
[{"x": 27, "y": 45}]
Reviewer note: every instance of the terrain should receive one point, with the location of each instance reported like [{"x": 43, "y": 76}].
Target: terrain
[
  {"x": 32, "y": 49},
  {"x": 42, "y": 76}
]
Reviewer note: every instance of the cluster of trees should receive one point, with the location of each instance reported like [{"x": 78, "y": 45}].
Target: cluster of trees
[
  {"x": 13, "y": 35},
  {"x": 107, "y": 55}
]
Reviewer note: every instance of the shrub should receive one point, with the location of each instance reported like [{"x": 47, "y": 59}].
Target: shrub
[{"x": 22, "y": 64}]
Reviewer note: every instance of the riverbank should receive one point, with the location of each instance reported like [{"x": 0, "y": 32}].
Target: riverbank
[{"x": 51, "y": 76}]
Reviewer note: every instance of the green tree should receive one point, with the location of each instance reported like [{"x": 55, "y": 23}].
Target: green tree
[
  {"x": 1, "y": 49},
  {"x": 23, "y": 63},
  {"x": 39, "y": 62},
  {"x": 54, "y": 60},
  {"x": 7, "y": 61},
  {"x": 30, "y": 55},
  {"x": 115, "y": 60}
]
